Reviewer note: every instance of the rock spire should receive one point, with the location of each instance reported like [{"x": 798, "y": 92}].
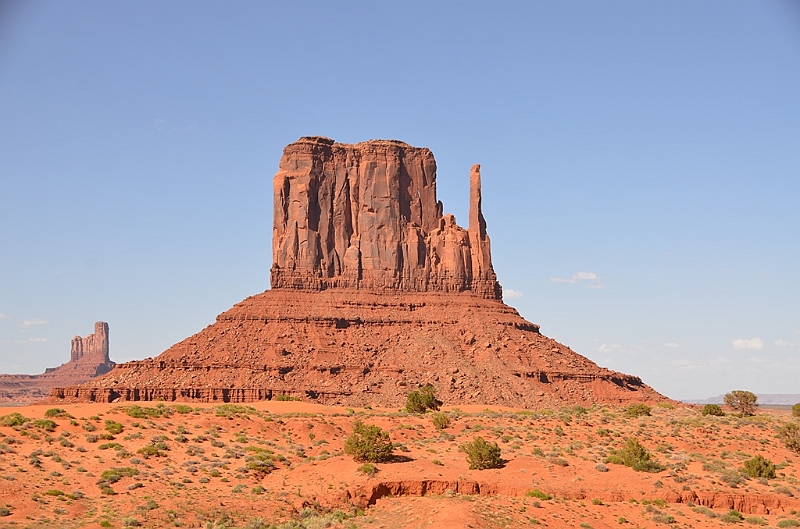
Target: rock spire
[
  {"x": 365, "y": 216},
  {"x": 93, "y": 347}
]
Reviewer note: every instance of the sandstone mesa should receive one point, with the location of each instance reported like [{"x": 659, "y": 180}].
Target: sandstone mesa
[{"x": 374, "y": 291}]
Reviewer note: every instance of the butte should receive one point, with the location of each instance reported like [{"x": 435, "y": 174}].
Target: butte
[{"x": 374, "y": 292}]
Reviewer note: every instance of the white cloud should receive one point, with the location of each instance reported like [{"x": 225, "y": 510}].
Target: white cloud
[
  {"x": 784, "y": 343},
  {"x": 580, "y": 276},
  {"x": 511, "y": 294},
  {"x": 671, "y": 345},
  {"x": 752, "y": 343},
  {"x": 34, "y": 321},
  {"x": 4, "y": 316},
  {"x": 606, "y": 348}
]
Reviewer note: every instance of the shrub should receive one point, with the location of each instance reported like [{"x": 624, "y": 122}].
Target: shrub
[
  {"x": 149, "y": 451},
  {"x": 788, "y": 522},
  {"x": 422, "y": 400},
  {"x": 5, "y": 511},
  {"x": 755, "y": 520},
  {"x": 759, "y": 467},
  {"x": 286, "y": 398},
  {"x": 183, "y": 409},
  {"x": 732, "y": 516},
  {"x": 57, "y": 413},
  {"x": 636, "y": 456},
  {"x": 261, "y": 463},
  {"x": 790, "y": 435},
  {"x": 368, "y": 444},
  {"x": 45, "y": 424},
  {"x": 441, "y": 421},
  {"x": 713, "y": 409},
  {"x": 114, "y": 428},
  {"x": 482, "y": 454},
  {"x": 13, "y": 419},
  {"x": 796, "y": 410},
  {"x": 637, "y": 410},
  {"x": 368, "y": 469},
  {"x": 742, "y": 401},
  {"x": 536, "y": 493}
]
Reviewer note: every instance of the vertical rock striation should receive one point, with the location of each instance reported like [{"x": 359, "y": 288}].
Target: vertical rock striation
[
  {"x": 365, "y": 216},
  {"x": 93, "y": 347}
]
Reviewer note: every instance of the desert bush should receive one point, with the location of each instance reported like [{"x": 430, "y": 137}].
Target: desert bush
[
  {"x": 149, "y": 451},
  {"x": 286, "y": 398},
  {"x": 633, "y": 454},
  {"x": 368, "y": 469},
  {"x": 742, "y": 401},
  {"x": 45, "y": 424},
  {"x": 422, "y": 400},
  {"x": 57, "y": 413},
  {"x": 759, "y": 467},
  {"x": 637, "y": 410},
  {"x": 790, "y": 435},
  {"x": 482, "y": 454},
  {"x": 536, "y": 493},
  {"x": 261, "y": 463},
  {"x": 114, "y": 428},
  {"x": 368, "y": 444},
  {"x": 183, "y": 409},
  {"x": 732, "y": 516},
  {"x": 755, "y": 520},
  {"x": 787, "y": 522},
  {"x": 5, "y": 511},
  {"x": 713, "y": 409},
  {"x": 796, "y": 410},
  {"x": 13, "y": 419},
  {"x": 441, "y": 421}
]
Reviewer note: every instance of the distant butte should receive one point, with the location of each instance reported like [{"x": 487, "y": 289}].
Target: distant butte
[
  {"x": 374, "y": 292},
  {"x": 88, "y": 359}
]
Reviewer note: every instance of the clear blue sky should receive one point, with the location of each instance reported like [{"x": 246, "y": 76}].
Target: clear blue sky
[{"x": 640, "y": 160}]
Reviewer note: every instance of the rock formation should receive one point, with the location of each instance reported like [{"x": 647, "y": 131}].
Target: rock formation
[
  {"x": 374, "y": 292},
  {"x": 88, "y": 359},
  {"x": 366, "y": 217}
]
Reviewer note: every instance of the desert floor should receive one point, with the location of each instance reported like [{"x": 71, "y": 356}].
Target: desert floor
[{"x": 192, "y": 465}]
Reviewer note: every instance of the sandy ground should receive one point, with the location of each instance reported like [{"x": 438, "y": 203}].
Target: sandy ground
[{"x": 196, "y": 473}]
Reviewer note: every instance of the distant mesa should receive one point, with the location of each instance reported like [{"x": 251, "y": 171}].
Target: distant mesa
[
  {"x": 375, "y": 291},
  {"x": 88, "y": 359}
]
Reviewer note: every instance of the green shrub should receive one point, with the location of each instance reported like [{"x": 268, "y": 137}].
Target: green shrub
[
  {"x": 755, "y": 520},
  {"x": 713, "y": 409},
  {"x": 637, "y": 410},
  {"x": 183, "y": 409},
  {"x": 422, "y": 400},
  {"x": 45, "y": 424},
  {"x": 149, "y": 451},
  {"x": 441, "y": 421},
  {"x": 368, "y": 443},
  {"x": 5, "y": 511},
  {"x": 114, "y": 428},
  {"x": 790, "y": 435},
  {"x": 57, "y": 413},
  {"x": 742, "y": 401},
  {"x": 368, "y": 469},
  {"x": 286, "y": 398},
  {"x": 759, "y": 467},
  {"x": 787, "y": 522},
  {"x": 732, "y": 516},
  {"x": 261, "y": 463},
  {"x": 796, "y": 410},
  {"x": 482, "y": 454},
  {"x": 636, "y": 456},
  {"x": 536, "y": 493},
  {"x": 13, "y": 419}
]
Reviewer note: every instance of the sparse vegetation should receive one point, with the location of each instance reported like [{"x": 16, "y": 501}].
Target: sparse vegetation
[
  {"x": 713, "y": 409},
  {"x": 796, "y": 410},
  {"x": 113, "y": 427},
  {"x": 57, "y": 413},
  {"x": 742, "y": 401},
  {"x": 441, "y": 421},
  {"x": 790, "y": 435},
  {"x": 15, "y": 419},
  {"x": 368, "y": 469},
  {"x": 634, "y": 455},
  {"x": 536, "y": 493},
  {"x": 368, "y": 444},
  {"x": 759, "y": 467},
  {"x": 422, "y": 400},
  {"x": 637, "y": 410},
  {"x": 481, "y": 454},
  {"x": 286, "y": 398}
]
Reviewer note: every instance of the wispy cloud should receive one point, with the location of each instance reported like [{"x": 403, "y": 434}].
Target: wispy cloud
[
  {"x": 784, "y": 343},
  {"x": 4, "y": 316},
  {"x": 29, "y": 340},
  {"x": 511, "y": 294},
  {"x": 33, "y": 321},
  {"x": 671, "y": 345},
  {"x": 752, "y": 343},
  {"x": 591, "y": 277}
]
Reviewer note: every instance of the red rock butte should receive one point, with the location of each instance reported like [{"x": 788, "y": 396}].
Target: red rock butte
[{"x": 374, "y": 292}]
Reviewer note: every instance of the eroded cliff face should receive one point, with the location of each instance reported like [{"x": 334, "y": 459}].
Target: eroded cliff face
[{"x": 365, "y": 216}]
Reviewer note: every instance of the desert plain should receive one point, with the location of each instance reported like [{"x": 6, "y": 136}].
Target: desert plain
[{"x": 202, "y": 465}]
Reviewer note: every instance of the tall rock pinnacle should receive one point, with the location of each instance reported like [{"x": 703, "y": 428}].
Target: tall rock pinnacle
[
  {"x": 365, "y": 216},
  {"x": 93, "y": 347}
]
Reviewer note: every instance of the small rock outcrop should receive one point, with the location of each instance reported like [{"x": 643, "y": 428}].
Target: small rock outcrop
[
  {"x": 88, "y": 359},
  {"x": 366, "y": 217},
  {"x": 374, "y": 291}
]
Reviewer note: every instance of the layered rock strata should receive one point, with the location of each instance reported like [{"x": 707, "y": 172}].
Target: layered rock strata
[
  {"x": 366, "y": 217},
  {"x": 88, "y": 359},
  {"x": 374, "y": 292}
]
